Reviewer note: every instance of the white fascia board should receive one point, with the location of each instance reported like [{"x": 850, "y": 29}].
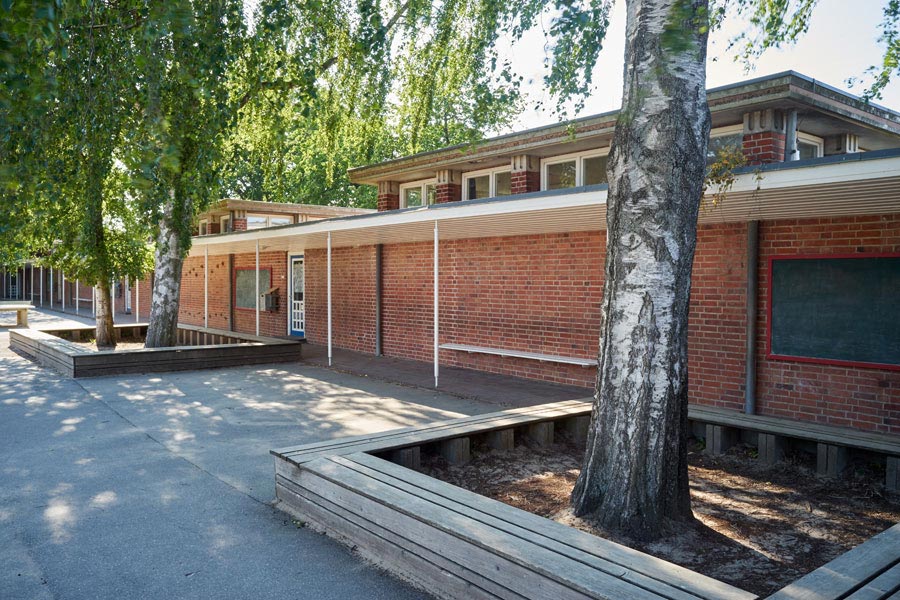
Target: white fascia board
[
  {"x": 855, "y": 170},
  {"x": 412, "y": 216}
]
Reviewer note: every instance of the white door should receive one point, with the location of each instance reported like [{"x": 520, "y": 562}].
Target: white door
[{"x": 298, "y": 321}]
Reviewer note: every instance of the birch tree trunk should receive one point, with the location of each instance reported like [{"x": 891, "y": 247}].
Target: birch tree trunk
[
  {"x": 634, "y": 477},
  {"x": 105, "y": 332},
  {"x": 171, "y": 247}
]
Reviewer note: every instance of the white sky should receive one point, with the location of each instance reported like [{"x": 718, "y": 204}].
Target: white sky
[{"x": 841, "y": 43}]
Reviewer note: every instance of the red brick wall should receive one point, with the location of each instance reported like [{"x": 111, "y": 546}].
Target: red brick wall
[
  {"x": 273, "y": 323},
  {"x": 521, "y": 182},
  {"x": 717, "y": 323},
  {"x": 447, "y": 192},
  {"x": 191, "y": 307},
  {"x": 388, "y": 202},
  {"x": 867, "y": 398},
  {"x": 532, "y": 293},
  {"x": 763, "y": 147},
  {"x": 353, "y": 297}
]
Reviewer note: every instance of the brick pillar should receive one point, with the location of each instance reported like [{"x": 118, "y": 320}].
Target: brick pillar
[
  {"x": 388, "y": 195},
  {"x": 213, "y": 228},
  {"x": 239, "y": 224},
  {"x": 526, "y": 174},
  {"x": 763, "y": 137},
  {"x": 449, "y": 186}
]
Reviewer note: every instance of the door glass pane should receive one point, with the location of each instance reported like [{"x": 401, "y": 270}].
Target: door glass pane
[
  {"x": 594, "y": 170},
  {"x": 478, "y": 187},
  {"x": 297, "y": 280},
  {"x": 561, "y": 175},
  {"x": 412, "y": 197},
  {"x": 501, "y": 184}
]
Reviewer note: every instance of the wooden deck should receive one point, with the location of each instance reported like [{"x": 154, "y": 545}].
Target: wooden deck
[
  {"x": 76, "y": 361},
  {"x": 871, "y": 571},
  {"x": 455, "y": 543}
]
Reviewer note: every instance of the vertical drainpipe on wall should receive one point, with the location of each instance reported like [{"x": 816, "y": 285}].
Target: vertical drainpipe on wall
[
  {"x": 231, "y": 292},
  {"x": 378, "y": 295},
  {"x": 329, "y": 298},
  {"x": 790, "y": 137},
  {"x": 436, "y": 306},
  {"x": 752, "y": 300},
  {"x": 206, "y": 286}
]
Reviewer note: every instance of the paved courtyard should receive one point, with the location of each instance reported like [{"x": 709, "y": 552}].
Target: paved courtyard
[{"x": 161, "y": 486}]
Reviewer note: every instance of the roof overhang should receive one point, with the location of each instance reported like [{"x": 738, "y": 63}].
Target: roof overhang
[{"x": 858, "y": 185}]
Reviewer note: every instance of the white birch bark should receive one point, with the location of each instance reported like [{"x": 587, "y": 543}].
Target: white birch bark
[
  {"x": 634, "y": 477},
  {"x": 162, "y": 330}
]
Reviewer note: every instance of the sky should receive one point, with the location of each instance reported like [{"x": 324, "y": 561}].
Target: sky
[{"x": 841, "y": 43}]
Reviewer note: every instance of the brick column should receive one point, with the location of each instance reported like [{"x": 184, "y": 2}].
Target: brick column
[
  {"x": 388, "y": 195},
  {"x": 526, "y": 174},
  {"x": 212, "y": 228},
  {"x": 449, "y": 186},
  {"x": 763, "y": 137},
  {"x": 239, "y": 224}
]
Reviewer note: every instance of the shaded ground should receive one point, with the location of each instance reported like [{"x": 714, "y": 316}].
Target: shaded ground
[{"x": 759, "y": 528}]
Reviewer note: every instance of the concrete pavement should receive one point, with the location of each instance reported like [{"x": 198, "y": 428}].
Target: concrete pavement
[{"x": 160, "y": 486}]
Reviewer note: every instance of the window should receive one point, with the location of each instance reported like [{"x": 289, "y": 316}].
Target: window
[
  {"x": 245, "y": 287},
  {"x": 260, "y": 221},
  {"x": 574, "y": 170},
  {"x": 256, "y": 222},
  {"x": 419, "y": 193},
  {"x": 204, "y": 227},
  {"x": 809, "y": 146},
  {"x": 224, "y": 224},
  {"x": 724, "y": 140},
  {"x": 487, "y": 183}
]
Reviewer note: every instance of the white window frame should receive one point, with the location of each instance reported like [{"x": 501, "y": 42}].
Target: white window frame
[
  {"x": 578, "y": 157},
  {"x": 268, "y": 219},
  {"x": 728, "y": 130},
  {"x": 814, "y": 140},
  {"x": 222, "y": 227},
  {"x": 492, "y": 183},
  {"x": 203, "y": 227},
  {"x": 289, "y": 218},
  {"x": 422, "y": 185}
]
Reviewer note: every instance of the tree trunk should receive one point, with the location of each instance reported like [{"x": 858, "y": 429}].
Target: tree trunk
[
  {"x": 106, "y": 331},
  {"x": 634, "y": 477},
  {"x": 171, "y": 248}
]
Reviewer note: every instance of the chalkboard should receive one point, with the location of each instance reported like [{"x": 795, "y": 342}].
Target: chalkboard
[
  {"x": 836, "y": 309},
  {"x": 245, "y": 288}
]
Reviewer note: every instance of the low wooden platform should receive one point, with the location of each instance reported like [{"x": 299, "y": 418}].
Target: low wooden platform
[
  {"x": 455, "y": 543},
  {"x": 76, "y": 361},
  {"x": 871, "y": 571}
]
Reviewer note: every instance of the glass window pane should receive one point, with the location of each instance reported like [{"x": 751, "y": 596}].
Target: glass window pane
[
  {"x": 561, "y": 175},
  {"x": 807, "y": 150},
  {"x": 478, "y": 187},
  {"x": 273, "y": 221},
  {"x": 501, "y": 184},
  {"x": 728, "y": 143},
  {"x": 256, "y": 222},
  {"x": 412, "y": 197},
  {"x": 430, "y": 193},
  {"x": 594, "y": 170}
]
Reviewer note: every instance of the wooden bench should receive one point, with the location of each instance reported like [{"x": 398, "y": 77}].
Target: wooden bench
[
  {"x": 458, "y": 544},
  {"x": 569, "y": 360},
  {"x": 452, "y": 436},
  {"x": 832, "y": 442},
  {"x": 21, "y": 311},
  {"x": 871, "y": 571}
]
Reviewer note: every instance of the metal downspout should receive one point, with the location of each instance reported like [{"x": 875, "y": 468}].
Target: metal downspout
[{"x": 752, "y": 310}]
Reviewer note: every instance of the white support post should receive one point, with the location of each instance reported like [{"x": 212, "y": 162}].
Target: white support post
[
  {"x": 94, "y": 302},
  {"x": 22, "y": 284},
  {"x": 257, "y": 287},
  {"x": 206, "y": 283},
  {"x": 329, "y": 300},
  {"x": 63, "y": 290},
  {"x": 137, "y": 300},
  {"x": 42, "y": 286},
  {"x": 112, "y": 301},
  {"x": 78, "y": 297},
  {"x": 51, "y": 287},
  {"x": 436, "y": 310}
]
